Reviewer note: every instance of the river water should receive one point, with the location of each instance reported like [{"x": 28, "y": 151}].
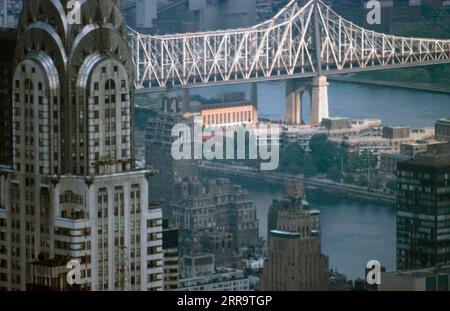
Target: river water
[
  {"x": 356, "y": 101},
  {"x": 353, "y": 232}
]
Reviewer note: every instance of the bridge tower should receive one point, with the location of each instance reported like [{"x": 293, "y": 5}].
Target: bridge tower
[
  {"x": 319, "y": 100},
  {"x": 293, "y": 106},
  {"x": 317, "y": 89}
]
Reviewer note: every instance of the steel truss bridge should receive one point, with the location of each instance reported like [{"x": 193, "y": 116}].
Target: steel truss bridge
[{"x": 300, "y": 41}]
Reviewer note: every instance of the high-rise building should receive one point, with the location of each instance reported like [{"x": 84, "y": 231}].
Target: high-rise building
[
  {"x": 214, "y": 216},
  {"x": 426, "y": 279},
  {"x": 171, "y": 256},
  {"x": 73, "y": 192},
  {"x": 423, "y": 213},
  {"x": 294, "y": 262},
  {"x": 7, "y": 46},
  {"x": 48, "y": 275},
  {"x": 158, "y": 155}
]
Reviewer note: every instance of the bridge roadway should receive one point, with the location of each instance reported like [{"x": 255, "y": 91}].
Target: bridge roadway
[
  {"x": 302, "y": 41},
  {"x": 319, "y": 184}
]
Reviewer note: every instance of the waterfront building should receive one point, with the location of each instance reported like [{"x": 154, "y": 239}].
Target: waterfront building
[
  {"x": 73, "y": 191},
  {"x": 335, "y": 123},
  {"x": 427, "y": 279},
  {"x": 395, "y": 132},
  {"x": 442, "y": 129},
  {"x": 295, "y": 262},
  {"x": 423, "y": 213},
  {"x": 302, "y": 134},
  {"x": 389, "y": 161},
  {"x": 229, "y": 114},
  {"x": 378, "y": 145},
  {"x": 412, "y": 148},
  {"x": 408, "y": 150}
]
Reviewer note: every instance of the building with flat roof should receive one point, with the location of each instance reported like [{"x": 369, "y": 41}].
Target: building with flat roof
[
  {"x": 389, "y": 161},
  {"x": 396, "y": 132},
  {"x": 335, "y": 123},
  {"x": 171, "y": 256},
  {"x": 423, "y": 196},
  {"x": 222, "y": 279},
  {"x": 410, "y": 149},
  {"x": 295, "y": 261},
  {"x": 442, "y": 129},
  {"x": 196, "y": 265},
  {"x": 199, "y": 273},
  {"x": 302, "y": 134},
  {"x": 229, "y": 114},
  {"x": 428, "y": 279}
]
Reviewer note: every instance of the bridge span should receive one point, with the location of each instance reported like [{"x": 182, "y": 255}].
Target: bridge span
[{"x": 301, "y": 41}]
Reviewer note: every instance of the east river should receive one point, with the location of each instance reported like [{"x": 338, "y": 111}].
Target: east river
[{"x": 353, "y": 232}]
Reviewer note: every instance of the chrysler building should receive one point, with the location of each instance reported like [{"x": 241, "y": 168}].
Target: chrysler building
[{"x": 73, "y": 191}]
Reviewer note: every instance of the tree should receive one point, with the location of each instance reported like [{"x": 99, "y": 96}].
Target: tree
[
  {"x": 349, "y": 179},
  {"x": 293, "y": 169},
  {"x": 376, "y": 182},
  {"x": 291, "y": 154},
  {"x": 362, "y": 181},
  {"x": 309, "y": 169},
  {"x": 334, "y": 174},
  {"x": 391, "y": 185},
  {"x": 325, "y": 153}
]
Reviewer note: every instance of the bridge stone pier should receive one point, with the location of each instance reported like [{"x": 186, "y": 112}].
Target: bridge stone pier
[
  {"x": 317, "y": 89},
  {"x": 319, "y": 100}
]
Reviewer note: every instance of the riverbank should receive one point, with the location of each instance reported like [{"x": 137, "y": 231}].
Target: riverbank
[
  {"x": 314, "y": 184},
  {"x": 393, "y": 84}
]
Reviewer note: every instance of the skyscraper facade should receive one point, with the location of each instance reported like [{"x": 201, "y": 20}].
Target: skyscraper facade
[
  {"x": 294, "y": 262},
  {"x": 7, "y": 46},
  {"x": 423, "y": 212},
  {"x": 73, "y": 192},
  {"x": 158, "y": 150}
]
